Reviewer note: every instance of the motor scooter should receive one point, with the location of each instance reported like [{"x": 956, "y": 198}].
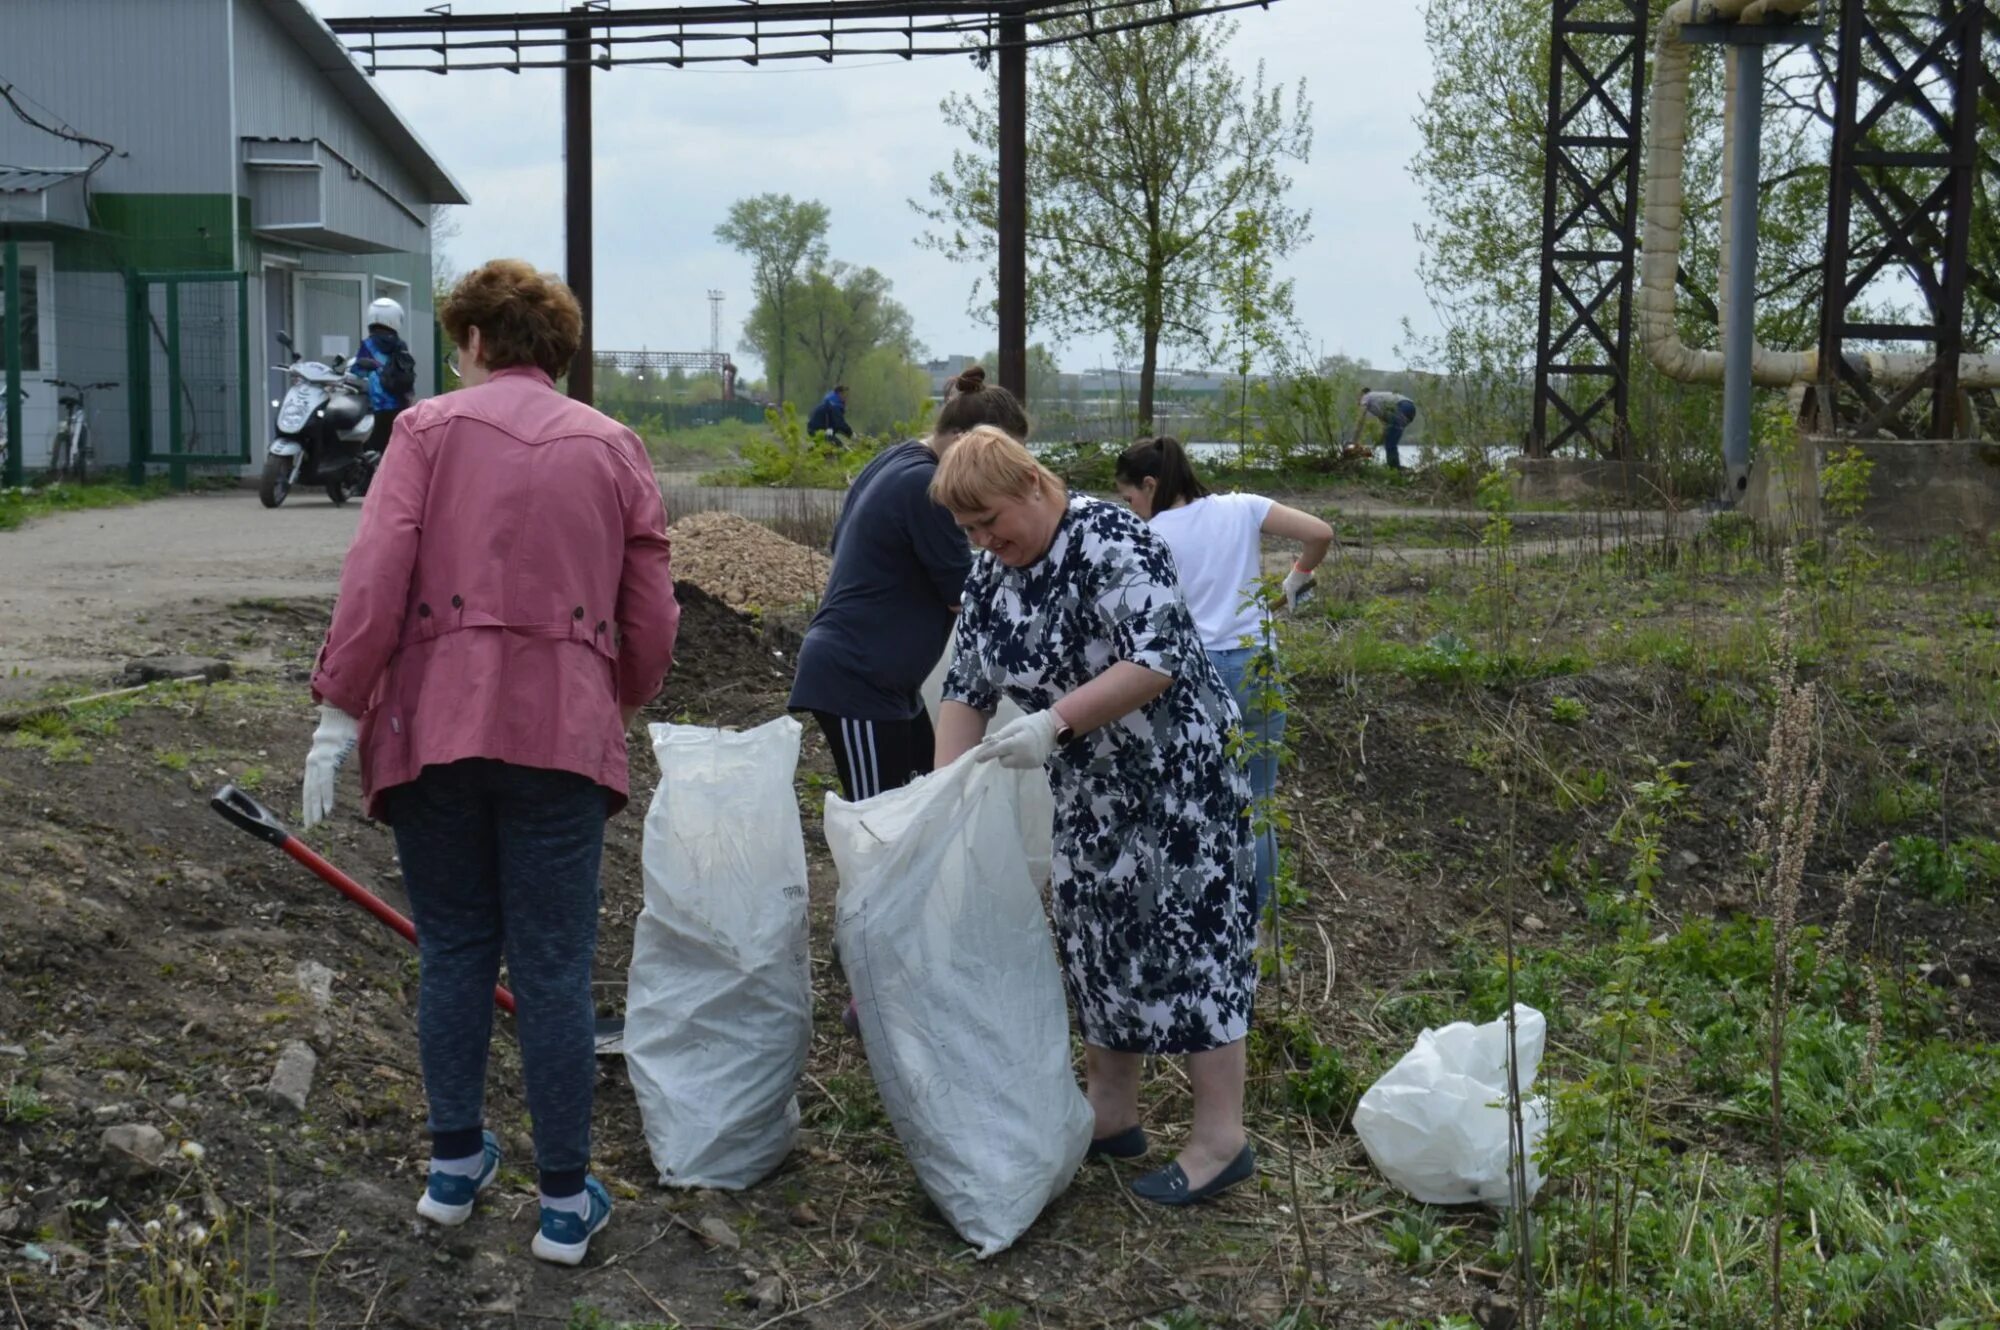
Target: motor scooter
[{"x": 324, "y": 424}]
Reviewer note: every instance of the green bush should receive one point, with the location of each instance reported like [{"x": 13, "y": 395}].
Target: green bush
[
  {"x": 786, "y": 457},
  {"x": 1954, "y": 873}
]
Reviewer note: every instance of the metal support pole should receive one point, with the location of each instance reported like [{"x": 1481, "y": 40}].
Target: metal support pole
[
  {"x": 1012, "y": 278},
  {"x": 139, "y": 378},
  {"x": 1946, "y": 422},
  {"x": 10, "y": 341},
  {"x": 577, "y": 182},
  {"x": 1739, "y": 316},
  {"x": 1839, "y": 212},
  {"x": 177, "y": 475},
  {"x": 243, "y": 453}
]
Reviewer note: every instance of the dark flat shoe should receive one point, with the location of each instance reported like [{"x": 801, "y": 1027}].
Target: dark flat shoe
[
  {"x": 1169, "y": 1185},
  {"x": 1127, "y": 1144}
]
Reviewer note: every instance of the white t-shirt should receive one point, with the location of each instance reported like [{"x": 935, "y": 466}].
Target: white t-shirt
[{"x": 1218, "y": 551}]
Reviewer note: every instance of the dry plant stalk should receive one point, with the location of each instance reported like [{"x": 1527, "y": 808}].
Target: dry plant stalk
[
  {"x": 1850, "y": 895},
  {"x": 1787, "y": 821}
]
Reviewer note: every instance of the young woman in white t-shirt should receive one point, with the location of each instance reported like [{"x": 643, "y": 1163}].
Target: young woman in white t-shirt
[{"x": 1217, "y": 542}]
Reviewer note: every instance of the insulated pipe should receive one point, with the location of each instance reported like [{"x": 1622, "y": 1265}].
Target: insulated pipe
[{"x": 1660, "y": 239}]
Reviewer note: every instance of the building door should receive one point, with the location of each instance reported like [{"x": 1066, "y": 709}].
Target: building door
[
  {"x": 39, "y": 412},
  {"x": 329, "y": 308},
  {"x": 280, "y": 315}
]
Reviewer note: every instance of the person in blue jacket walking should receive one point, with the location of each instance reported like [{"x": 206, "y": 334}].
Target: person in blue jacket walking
[{"x": 830, "y": 416}]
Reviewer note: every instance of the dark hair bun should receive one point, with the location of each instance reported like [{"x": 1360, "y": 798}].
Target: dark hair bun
[{"x": 970, "y": 380}]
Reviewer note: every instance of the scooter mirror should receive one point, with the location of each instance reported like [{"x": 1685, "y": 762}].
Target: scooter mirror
[{"x": 285, "y": 339}]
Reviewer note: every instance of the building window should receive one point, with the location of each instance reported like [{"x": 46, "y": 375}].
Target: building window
[{"x": 31, "y": 322}]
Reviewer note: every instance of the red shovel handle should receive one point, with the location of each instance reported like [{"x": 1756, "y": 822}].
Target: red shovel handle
[{"x": 242, "y": 811}]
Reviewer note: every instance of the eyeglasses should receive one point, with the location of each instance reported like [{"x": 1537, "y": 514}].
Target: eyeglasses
[{"x": 451, "y": 363}]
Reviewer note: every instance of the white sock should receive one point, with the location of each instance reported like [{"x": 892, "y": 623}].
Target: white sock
[
  {"x": 468, "y": 1167},
  {"x": 578, "y": 1204}
]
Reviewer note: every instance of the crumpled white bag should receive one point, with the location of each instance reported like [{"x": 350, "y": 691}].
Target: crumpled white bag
[
  {"x": 1436, "y": 1123},
  {"x": 1036, "y": 802},
  {"x": 718, "y": 1001},
  {"x": 963, "y": 1016}
]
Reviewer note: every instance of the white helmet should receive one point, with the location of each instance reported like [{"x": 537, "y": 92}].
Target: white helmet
[{"x": 387, "y": 313}]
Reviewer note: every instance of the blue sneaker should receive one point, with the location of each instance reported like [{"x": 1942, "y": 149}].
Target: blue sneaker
[
  {"x": 564, "y": 1237},
  {"x": 448, "y": 1198}
]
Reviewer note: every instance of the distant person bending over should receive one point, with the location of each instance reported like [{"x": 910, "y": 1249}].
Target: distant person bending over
[
  {"x": 385, "y": 361},
  {"x": 506, "y": 608},
  {"x": 1217, "y": 543},
  {"x": 1395, "y": 411},
  {"x": 830, "y": 416}
]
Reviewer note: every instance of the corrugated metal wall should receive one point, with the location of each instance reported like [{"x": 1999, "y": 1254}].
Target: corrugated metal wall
[
  {"x": 106, "y": 67},
  {"x": 279, "y": 94}
]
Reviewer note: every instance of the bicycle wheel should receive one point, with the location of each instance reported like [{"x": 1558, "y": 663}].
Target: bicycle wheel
[{"x": 59, "y": 454}]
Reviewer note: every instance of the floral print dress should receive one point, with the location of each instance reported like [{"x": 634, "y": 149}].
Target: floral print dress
[{"x": 1151, "y": 882}]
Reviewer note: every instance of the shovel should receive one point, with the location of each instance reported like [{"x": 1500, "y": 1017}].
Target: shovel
[{"x": 245, "y": 813}]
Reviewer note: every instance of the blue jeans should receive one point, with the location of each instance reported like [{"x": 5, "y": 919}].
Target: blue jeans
[
  {"x": 502, "y": 858},
  {"x": 1263, "y": 730},
  {"x": 1392, "y": 432}
]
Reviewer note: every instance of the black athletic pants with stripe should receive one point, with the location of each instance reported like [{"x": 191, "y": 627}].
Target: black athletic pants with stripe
[{"x": 876, "y": 755}]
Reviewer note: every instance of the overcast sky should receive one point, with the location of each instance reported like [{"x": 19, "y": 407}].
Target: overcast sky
[{"x": 675, "y": 148}]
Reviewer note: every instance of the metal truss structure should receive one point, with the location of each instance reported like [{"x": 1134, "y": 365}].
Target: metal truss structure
[
  {"x": 592, "y": 35},
  {"x": 1590, "y": 207},
  {"x": 660, "y": 362},
  {"x": 1907, "y": 150},
  {"x": 678, "y": 35}
]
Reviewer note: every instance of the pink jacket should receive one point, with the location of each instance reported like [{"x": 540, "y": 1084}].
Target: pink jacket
[{"x": 507, "y": 591}]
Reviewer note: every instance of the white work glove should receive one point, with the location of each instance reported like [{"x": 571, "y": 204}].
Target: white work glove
[
  {"x": 335, "y": 738},
  {"x": 1022, "y": 745},
  {"x": 1295, "y": 581}
]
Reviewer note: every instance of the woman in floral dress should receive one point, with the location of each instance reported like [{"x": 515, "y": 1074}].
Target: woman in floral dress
[{"x": 1072, "y": 611}]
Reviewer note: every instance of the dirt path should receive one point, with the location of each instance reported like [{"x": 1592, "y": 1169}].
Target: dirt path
[{"x": 83, "y": 588}]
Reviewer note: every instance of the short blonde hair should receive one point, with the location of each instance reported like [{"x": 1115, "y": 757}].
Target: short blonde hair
[{"x": 985, "y": 465}]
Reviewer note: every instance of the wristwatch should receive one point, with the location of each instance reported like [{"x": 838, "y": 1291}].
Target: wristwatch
[{"x": 1064, "y": 730}]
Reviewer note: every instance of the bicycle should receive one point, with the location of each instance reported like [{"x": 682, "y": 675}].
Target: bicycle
[{"x": 72, "y": 452}]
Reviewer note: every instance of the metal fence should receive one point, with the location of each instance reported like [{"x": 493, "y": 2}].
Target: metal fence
[{"x": 156, "y": 364}]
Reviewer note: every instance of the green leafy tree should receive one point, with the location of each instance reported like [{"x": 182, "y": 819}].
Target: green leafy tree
[
  {"x": 1144, "y": 146},
  {"x": 835, "y": 316},
  {"x": 784, "y": 240}
]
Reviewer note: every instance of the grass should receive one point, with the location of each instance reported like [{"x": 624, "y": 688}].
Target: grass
[
  {"x": 18, "y": 507},
  {"x": 1654, "y": 1215}
]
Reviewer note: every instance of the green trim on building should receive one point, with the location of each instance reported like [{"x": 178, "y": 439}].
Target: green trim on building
[{"x": 167, "y": 232}]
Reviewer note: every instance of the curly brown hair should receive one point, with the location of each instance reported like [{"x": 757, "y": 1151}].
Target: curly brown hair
[{"x": 524, "y": 317}]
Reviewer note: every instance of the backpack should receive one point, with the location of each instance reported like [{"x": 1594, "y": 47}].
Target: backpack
[{"x": 398, "y": 375}]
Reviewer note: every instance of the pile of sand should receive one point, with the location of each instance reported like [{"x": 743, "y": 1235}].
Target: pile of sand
[{"x": 745, "y": 564}]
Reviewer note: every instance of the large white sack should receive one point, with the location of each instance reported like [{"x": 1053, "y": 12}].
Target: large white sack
[
  {"x": 962, "y": 1010},
  {"x": 1436, "y": 1123},
  {"x": 718, "y": 1003},
  {"x": 1037, "y": 804}
]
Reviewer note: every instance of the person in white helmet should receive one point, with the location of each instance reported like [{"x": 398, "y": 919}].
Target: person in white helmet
[{"x": 385, "y": 361}]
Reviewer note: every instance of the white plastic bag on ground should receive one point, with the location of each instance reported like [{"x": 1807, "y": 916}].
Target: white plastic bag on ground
[
  {"x": 718, "y": 1003},
  {"x": 962, "y": 1010},
  {"x": 1436, "y": 1123},
  {"x": 1037, "y": 804}
]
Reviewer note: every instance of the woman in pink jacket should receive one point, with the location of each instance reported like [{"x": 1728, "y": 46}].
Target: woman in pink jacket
[{"x": 504, "y": 612}]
